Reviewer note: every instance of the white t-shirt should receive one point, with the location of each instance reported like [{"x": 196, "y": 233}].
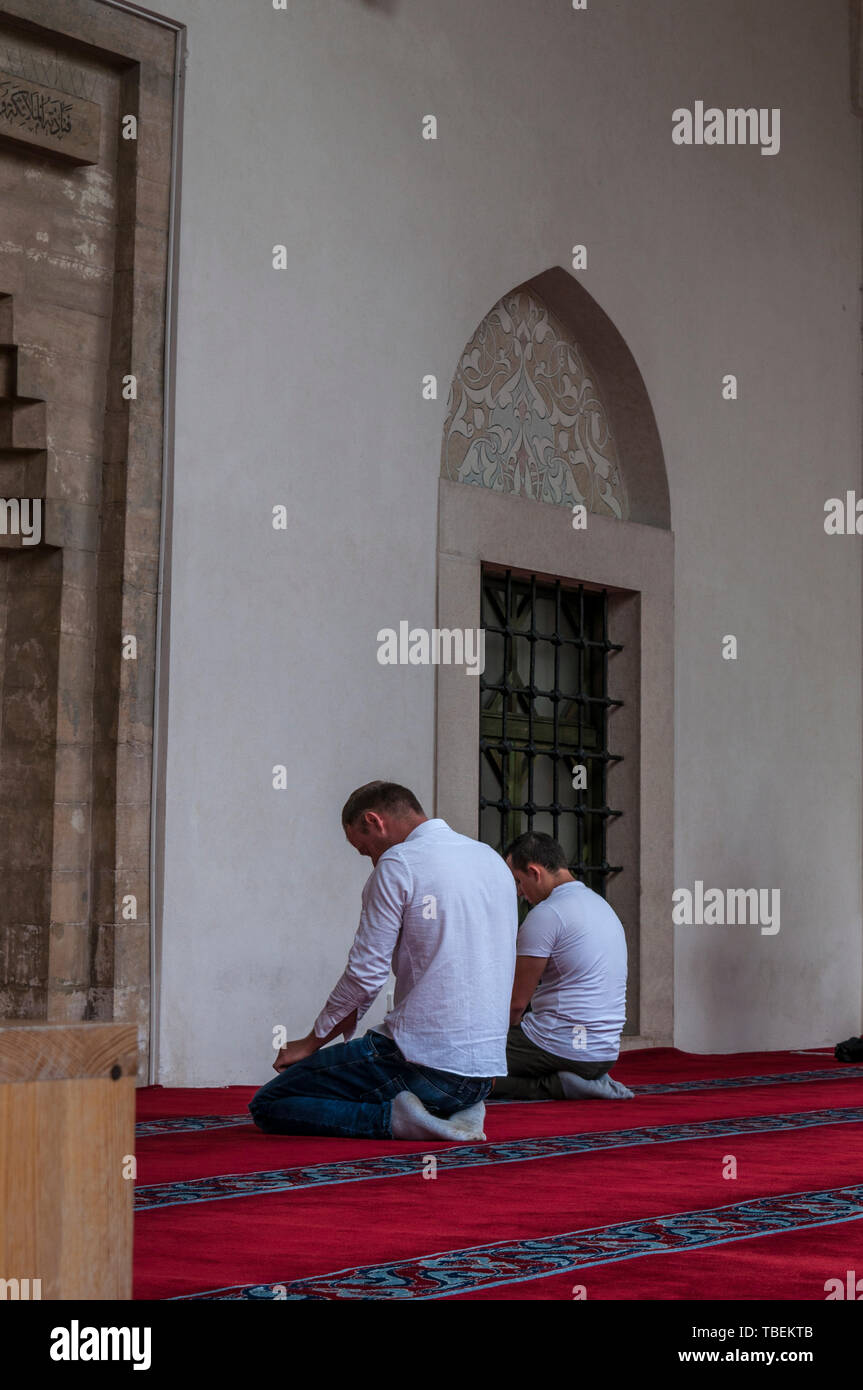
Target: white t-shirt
[
  {"x": 442, "y": 908},
  {"x": 579, "y": 1006}
]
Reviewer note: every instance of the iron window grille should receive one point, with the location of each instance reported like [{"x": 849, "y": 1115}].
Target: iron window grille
[{"x": 544, "y": 708}]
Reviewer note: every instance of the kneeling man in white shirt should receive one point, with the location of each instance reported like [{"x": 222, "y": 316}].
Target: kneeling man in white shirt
[
  {"x": 442, "y": 909},
  {"x": 571, "y": 969}
]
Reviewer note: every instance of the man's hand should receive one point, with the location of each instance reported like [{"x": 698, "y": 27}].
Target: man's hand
[
  {"x": 296, "y": 1051},
  {"x": 302, "y": 1048}
]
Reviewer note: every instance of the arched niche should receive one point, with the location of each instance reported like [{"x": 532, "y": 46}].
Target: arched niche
[{"x": 505, "y": 503}]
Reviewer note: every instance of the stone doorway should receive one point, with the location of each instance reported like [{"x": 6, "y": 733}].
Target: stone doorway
[{"x": 89, "y": 102}]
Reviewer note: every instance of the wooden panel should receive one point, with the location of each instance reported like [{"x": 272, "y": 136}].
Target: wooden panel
[
  {"x": 66, "y": 1176},
  {"x": 35, "y": 1051}
]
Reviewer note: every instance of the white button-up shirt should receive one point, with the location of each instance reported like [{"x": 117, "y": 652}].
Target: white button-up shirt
[{"x": 442, "y": 910}]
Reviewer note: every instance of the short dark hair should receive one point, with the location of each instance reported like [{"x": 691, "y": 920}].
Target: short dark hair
[
  {"x": 389, "y": 798},
  {"x": 534, "y": 847}
]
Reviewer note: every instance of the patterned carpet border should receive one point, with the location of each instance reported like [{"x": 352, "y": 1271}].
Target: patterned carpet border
[
  {"x": 152, "y": 1129},
  {"x": 511, "y": 1262},
  {"x": 223, "y": 1187}
]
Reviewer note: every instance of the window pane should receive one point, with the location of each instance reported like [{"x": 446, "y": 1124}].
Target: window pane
[{"x": 543, "y": 714}]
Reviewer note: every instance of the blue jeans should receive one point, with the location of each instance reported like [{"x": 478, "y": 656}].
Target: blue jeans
[{"x": 347, "y": 1090}]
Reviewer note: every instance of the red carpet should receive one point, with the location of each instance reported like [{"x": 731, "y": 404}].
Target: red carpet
[{"x": 600, "y": 1199}]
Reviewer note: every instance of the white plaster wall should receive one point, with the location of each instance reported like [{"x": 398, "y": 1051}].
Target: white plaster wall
[{"x": 302, "y": 386}]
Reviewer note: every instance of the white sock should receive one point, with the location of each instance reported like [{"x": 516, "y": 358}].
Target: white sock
[
  {"x": 411, "y": 1120},
  {"x": 471, "y": 1121},
  {"x": 606, "y": 1088}
]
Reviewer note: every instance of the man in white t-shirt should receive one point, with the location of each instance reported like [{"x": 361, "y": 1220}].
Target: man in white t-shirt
[{"x": 571, "y": 969}]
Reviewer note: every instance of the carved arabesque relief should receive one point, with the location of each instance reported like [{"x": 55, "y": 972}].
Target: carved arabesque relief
[{"x": 526, "y": 415}]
